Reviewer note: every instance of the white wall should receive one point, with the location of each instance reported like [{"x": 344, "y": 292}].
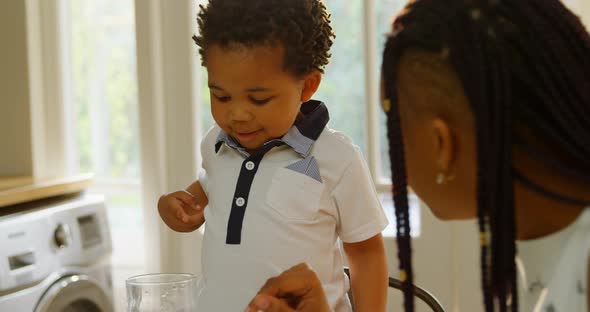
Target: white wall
[
  {"x": 581, "y": 8},
  {"x": 585, "y": 13},
  {"x": 15, "y": 127},
  {"x": 445, "y": 262},
  {"x": 33, "y": 114}
]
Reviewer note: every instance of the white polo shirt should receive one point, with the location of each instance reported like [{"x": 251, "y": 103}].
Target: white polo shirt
[{"x": 285, "y": 204}]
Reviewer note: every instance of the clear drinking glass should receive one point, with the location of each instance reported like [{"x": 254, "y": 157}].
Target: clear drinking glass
[{"x": 162, "y": 292}]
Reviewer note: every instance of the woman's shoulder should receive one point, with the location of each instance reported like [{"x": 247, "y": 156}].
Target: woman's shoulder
[
  {"x": 571, "y": 275},
  {"x": 568, "y": 281}
]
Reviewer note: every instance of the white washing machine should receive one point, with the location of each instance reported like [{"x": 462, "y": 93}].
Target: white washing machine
[{"x": 55, "y": 256}]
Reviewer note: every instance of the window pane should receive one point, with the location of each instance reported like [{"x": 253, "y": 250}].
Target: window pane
[
  {"x": 104, "y": 87},
  {"x": 343, "y": 86},
  {"x": 104, "y": 94},
  {"x": 385, "y": 11},
  {"x": 203, "y": 95}
]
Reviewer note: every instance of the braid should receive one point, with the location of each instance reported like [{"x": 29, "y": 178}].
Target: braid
[
  {"x": 485, "y": 174},
  {"x": 400, "y": 193},
  {"x": 522, "y": 64},
  {"x": 555, "y": 85}
]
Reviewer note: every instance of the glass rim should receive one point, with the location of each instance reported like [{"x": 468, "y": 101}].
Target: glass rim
[{"x": 182, "y": 278}]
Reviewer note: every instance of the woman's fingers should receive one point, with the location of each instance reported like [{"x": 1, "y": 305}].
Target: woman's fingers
[
  {"x": 297, "y": 289},
  {"x": 268, "y": 304}
]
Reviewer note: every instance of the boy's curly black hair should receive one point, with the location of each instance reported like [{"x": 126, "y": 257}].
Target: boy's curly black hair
[{"x": 302, "y": 27}]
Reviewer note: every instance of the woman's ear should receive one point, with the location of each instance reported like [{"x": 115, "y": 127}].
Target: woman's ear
[
  {"x": 310, "y": 85},
  {"x": 445, "y": 146}
]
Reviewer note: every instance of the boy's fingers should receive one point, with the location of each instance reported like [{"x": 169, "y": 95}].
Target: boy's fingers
[
  {"x": 180, "y": 213},
  {"x": 184, "y": 214},
  {"x": 186, "y": 198},
  {"x": 194, "y": 219}
]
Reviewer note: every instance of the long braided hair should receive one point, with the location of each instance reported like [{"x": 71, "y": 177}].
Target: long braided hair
[{"x": 522, "y": 63}]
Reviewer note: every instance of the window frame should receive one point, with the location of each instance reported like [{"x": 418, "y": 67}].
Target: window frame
[{"x": 372, "y": 106}]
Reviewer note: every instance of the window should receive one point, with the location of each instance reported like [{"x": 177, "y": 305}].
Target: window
[
  {"x": 384, "y": 12},
  {"x": 104, "y": 96},
  {"x": 343, "y": 87}
]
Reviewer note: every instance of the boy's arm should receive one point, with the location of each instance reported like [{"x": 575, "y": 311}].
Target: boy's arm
[
  {"x": 197, "y": 191},
  {"x": 197, "y": 216},
  {"x": 183, "y": 211},
  {"x": 368, "y": 273}
]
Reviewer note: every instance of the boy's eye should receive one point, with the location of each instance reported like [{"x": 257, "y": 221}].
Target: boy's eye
[
  {"x": 260, "y": 102},
  {"x": 222, "y": 99}
]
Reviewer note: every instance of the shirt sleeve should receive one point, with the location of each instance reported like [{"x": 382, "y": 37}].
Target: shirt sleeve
[
  {"x": 207, "y": 149},
  {"x": 360, "y": 213},
  {"x": 203, "y": 180}
]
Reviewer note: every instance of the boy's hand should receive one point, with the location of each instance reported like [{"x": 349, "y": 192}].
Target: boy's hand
[{"x": 181, "y": 211}]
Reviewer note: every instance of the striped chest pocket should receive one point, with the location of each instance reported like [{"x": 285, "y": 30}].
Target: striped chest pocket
[
  {"x": 296, "y": 190},
  {"x": 309, "y": 167}
]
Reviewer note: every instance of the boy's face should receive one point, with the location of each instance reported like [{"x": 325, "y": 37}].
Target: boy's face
[{"x": 253, "y": 98}]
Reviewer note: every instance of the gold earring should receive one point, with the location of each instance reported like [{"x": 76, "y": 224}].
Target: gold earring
[{"x": 440, "y": 178}]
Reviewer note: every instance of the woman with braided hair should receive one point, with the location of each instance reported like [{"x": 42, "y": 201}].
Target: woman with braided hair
[{"x": 488, "y": 106}]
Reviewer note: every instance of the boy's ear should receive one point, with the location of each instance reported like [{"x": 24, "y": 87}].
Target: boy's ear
[{"x": 310, "y": 85}]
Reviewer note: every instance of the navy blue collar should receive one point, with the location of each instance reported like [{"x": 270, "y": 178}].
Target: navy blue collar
[{"x": 300, "y": 137}]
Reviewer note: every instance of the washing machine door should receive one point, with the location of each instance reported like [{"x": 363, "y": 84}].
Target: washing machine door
[{"x": 74, "y": 293}]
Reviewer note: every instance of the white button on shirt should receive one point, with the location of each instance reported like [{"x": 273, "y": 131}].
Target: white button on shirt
[
  {"x": 250, "y": 165},
  {"x": 294, "y": 213}
]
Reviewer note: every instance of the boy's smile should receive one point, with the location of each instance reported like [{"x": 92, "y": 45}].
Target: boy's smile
[
  {"x": 247, "y": 136},
  {"x": 253, "y": 98}
]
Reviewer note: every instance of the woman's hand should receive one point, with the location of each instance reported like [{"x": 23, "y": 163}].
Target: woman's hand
[{"x": 297, "y": 289}]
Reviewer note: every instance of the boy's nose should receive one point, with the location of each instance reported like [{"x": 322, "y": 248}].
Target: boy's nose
[{"x": 240, "y": 113}]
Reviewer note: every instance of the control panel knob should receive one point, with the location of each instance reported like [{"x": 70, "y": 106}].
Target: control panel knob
[{"x": 62, "y": 236}]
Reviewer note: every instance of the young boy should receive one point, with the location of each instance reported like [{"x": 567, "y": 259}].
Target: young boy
[{"x": 279, "y": 186}]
